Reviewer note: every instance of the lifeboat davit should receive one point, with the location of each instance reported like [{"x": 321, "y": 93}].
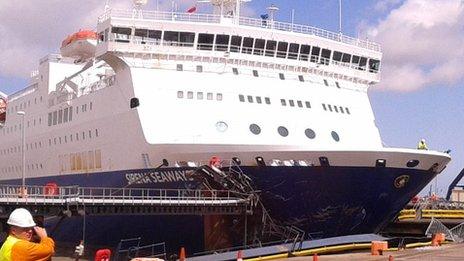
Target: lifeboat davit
[
  {"x": 80, "y": 45},
  {"x": 2, "y": 110}
]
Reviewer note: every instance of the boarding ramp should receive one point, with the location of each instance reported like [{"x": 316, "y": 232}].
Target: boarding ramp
[{"x": 51, "y": 201}]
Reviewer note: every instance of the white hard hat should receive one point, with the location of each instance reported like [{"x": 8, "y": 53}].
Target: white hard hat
[
  {"x": 422, "y": 140},
  {"x": 21, "y": 217}
]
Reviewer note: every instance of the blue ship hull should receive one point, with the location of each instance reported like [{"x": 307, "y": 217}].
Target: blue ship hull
[{"x": 322, "y": 201}]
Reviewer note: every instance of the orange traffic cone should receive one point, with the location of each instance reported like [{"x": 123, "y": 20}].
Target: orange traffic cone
[
  {"x": 239, "y": 255},
  {"x": 182, "y": 254},
  {"x": 315, "y": 257}
]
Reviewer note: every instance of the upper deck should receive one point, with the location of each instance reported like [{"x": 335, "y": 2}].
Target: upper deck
[{"x": 242, "y": 21}]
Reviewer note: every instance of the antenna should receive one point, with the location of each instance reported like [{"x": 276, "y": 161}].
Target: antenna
[
  {"x": 228, "y": 8},
  {"x": 138, "y": 4},
  {"x": 107, "y": 5},
  {"x": 272, "y": 10},
  {"x": 340, "y": 16}
]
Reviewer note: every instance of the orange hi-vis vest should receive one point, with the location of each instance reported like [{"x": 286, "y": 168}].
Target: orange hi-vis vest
[{"x": 15, "y": 249}]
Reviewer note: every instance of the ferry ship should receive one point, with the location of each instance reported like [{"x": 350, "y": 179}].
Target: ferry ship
[{"x": 287, "y": 102}]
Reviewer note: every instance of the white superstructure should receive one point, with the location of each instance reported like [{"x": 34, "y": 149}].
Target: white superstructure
[{"x": 186, "y": 86}]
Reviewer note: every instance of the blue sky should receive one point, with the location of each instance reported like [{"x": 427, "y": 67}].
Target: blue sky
[{"x": 421, "y": 93}]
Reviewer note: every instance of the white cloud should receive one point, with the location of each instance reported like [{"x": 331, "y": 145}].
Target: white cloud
[
  {"x": 384, "y": 5},
  {"x": 31, "y": 29},
  {"x": 422, "y": 41}
]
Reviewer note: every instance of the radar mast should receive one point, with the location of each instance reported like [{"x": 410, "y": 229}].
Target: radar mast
[
  {"x": 227, "y": 8},
  {"x": 138, "y": 4}
]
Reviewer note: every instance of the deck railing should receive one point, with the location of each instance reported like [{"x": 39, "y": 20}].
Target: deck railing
[{"x": 243, "y": 21}]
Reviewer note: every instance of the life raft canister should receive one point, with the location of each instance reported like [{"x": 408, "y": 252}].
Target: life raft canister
[
  {"x": 215, "y": 162},
  {"x": 51, "y": 189}
]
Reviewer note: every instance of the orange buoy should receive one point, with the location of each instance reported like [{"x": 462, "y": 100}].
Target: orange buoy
[
  {"x": 103, "y": 255},
  {"x": 377, "y": 247},
  {"x": 215, "y": 162}
]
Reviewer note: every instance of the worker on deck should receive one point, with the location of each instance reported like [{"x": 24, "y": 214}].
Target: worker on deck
[
  {"x": 18, "y": 245},
  {"x": 422, "y": 145}
]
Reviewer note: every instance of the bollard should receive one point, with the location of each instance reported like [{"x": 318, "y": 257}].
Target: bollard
[
  {"x": 438, "y": 239},
  {"x": 377, "y": 247},
  {"x": 315, "y": 257},
  {"x": 182, "y": 256},
  {"x": 239, "y": 255}
]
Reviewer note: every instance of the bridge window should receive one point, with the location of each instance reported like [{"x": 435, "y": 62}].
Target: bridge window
[
  {"x": 187, "y": 39},
  {"x": 271, "y": 48},
  {"x": 205, "y": 42},
  {"x": 355, "y": 61},
  {"x": 155, "y": 35},
  {"x": 315, "y": 54},
  {"x": 337, "y": 56},
  {"x": 374, "y": 65},
  {"x": 222, "y": 42},
  {"x": 241, "y": 98},
  {"x": 141, "y": 35},
  {"x": 171, "y": 38},
  {"x": 362, "y": 63},
  {"x": 282, "y": 49},
  {"x": 293, "y": 51},
  {"x": 259, "y": 46},
  {"x": 346, "y": 58},
  {"x": 235, "y": 44},
  {"x": 247, "y": 45},
  {"x": 304, "y": 52},
  {"x": 267, "y": 100},
  {"x": 325, "y": 56},
  {"x": 121, "y": 34}
]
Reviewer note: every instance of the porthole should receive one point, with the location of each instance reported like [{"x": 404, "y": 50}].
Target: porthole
[
  {"x": 335, "y": 136},
  {"x": 221, "y": 126},
  {"x": 310, "y": 134},
  {"x": 255, "y": 129},
  {"x": 283, "y": 131},
  {"x": 412, "y": 163}
]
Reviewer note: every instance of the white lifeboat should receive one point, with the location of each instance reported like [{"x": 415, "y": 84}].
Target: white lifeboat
[
  {"x": 2, "y": 109},
  {"x": 80, "y": 45}
]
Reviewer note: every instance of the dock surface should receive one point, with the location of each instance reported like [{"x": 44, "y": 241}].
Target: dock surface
[{"x": 450, "y": 252}]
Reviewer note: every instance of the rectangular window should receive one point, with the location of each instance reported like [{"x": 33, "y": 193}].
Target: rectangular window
[
  {"x": 180, "y": 67},
  {"x": 374, "y": 65},
  {"x": 219, "y": 96},
  {"x": 235, "y": 71},
  {"x": 336, "y": 109},
  {"x": 293, "y": 51},
  {"x": 199, "y": 95},
  {"x": 171, "y": 38},
  {"x": 55, "y": 117},
  {"x": 186, "y": 39},
  {"x": 209, "y": 96},
  {"x": 337, "y": 56},
  {"x": 258, "y": 100},
  {"x": 65, "y": 115},
  {"x": 49, "y": 119},
  {"x": 235, "y": 44},
  {"x": 315, "y": 52},
  {"x": 91, "y": 159},
  {"x": 247, "y": 45},
  {"x": 189, "y": 95},
  {"x": 250, "y": 98},
  {"x": 341, "y": 109},
  {"x": 326, "y": 83},
  {"x": 337, "y": 84},
  {"x": 330, "y": 107},
  {"x": 347, "y": 110},
  {"x": 346, "y": 58},
  {"x": 304, "y": 52},
  {"x": 271, "y": 48},
  {"x": 283, "y": 102},
  {"x": 259, "y": 47},
  {"x": 281, "y": 76},
  {"x": 355, "y": 61},
  {"x": 255, "y": 73},
  {"x": 98, "y": 164},
  {"x": 300, "y": 104},
  {"x": 140, "y": 35},
  {"x": 121, "y": 34},
  {"x": 205, "y": 42},
  {"x": 60, "y": 116},
  {"x": 154, "y": 35},
  {"x": 199, "y": 68},
  {"x": 362, "y": 63},
  {"x": 73, "y": 161},
  {"x": 267, "y": 100},
  {"x": 241, "y": 98},
  {"x": 301, "y": 78},
  {"x": 292, "y": 103},
  {"x": 70, "y": 113},
  {"x": 282, "y": 49},
  {"x": 325, "y": 56},
  {"x": 180, "y": 94},
  {"x": 96, "y": 132},
  {"x": 222, "y": 43},
  {"x": 324, "y": 107}
]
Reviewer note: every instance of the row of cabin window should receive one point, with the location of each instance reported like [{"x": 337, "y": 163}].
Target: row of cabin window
[
  {"x": 334, "y": 108},
  {"x": 23, "y": 105},
  {"x": 17, "y": 169},
  {"x": 65, "y": 115},
  {"x": 59, "y": 140},
  {"x": 291, "y": 103},
  {"x": 250, "y": 99},
  {"x": 15, "y": 128},
  {"x": 247, "y": 45},
  {"x": 199, "y": 96},
  {"x": 17, "y": 149}
]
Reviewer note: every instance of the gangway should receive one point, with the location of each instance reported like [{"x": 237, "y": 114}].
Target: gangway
[{"x": 43, "y": 200}]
